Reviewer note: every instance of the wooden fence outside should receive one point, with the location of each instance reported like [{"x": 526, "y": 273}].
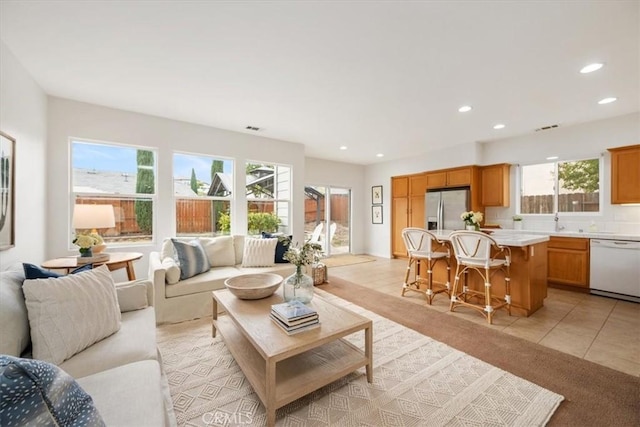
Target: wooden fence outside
[
  {"x": 314, "y": 210},
  {"x": 575, "y": 202}
]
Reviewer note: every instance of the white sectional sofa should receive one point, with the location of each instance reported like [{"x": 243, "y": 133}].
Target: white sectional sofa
[
  {"x": 122, "y": 373},
  {"x": 180, "y": 300}
]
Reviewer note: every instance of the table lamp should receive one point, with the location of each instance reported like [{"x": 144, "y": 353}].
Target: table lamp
[{"x": 93, "y": 217}]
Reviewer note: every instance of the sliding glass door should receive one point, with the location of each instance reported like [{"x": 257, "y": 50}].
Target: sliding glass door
[{"x": 327, "y": 218}]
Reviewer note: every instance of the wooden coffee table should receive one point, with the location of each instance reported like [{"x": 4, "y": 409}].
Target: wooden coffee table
[{"x": 282, "y": 368}]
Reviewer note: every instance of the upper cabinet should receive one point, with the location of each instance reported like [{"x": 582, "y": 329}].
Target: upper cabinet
[
  {"x": 495, "y": 185},
  {"x": 457, "y": 177},
  {"x": 625, "y": 174}
]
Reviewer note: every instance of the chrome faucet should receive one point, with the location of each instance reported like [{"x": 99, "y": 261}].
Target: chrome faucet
[{"x": 558, "y": 226}]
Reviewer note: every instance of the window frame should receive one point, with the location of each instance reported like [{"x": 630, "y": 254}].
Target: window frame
[
  {"x": 152, "y": 197},
  {"x": 230, "y": 199},
  {"x": 250, "y": 198},
  {"x": 555, "y": 162}
]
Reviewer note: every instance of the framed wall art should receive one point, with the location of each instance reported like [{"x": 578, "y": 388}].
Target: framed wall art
[
  {"x": 376, "y": 214},
  {"x": 7, "y": 191},
  {"x": 376, "y": 195}
]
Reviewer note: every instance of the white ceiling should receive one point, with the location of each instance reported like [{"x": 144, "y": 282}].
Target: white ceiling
[{"x": 379, "y": 77}]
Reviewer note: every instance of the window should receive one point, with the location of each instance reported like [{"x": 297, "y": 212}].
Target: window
[
  {"x": 203, "y": 190},
  {"x": 268, "y": 197},
  {"x": 565, "y": 186},
  {"x": 121, "y": 176}
]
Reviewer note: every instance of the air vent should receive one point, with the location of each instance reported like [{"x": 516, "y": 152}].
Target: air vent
[
  {"x": 547, "y": 127},
  {"x": 253, "y": 128}
]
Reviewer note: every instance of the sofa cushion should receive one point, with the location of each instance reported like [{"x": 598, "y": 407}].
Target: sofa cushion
[
  {"x": 132, "y": 296},
  {"x": 32, "y": 271},
  {"x": 259, "y": 252},
  {"x": 238, "y": 245},
  {"x": 281, "y": 247},
  {"x": 129, "y": 395},
  {"x": 210, "y": 281},
  {"x": 191, "y": 258},
  {"x": 219, "y": 250},
  {"x": 167, "y": 250},
  {"x": 135, "y": 341},
  {"x": 67, "y": 314},
  {"x": 34, "y": 392},
  {"x": 171, "y": 271},
  {"x": 14, "y": 320}
]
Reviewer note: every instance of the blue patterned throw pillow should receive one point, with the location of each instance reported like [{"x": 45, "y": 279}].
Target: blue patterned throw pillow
[
  {"x": 32, "y": 271},
  {"x": 33, "y": 392},
  {"x": 191, "y": 257}
]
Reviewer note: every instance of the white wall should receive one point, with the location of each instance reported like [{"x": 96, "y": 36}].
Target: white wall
[
  {"x": 569, "y": 143},
  {"x": 346, "y": 175},
  {"x": 23, "y": 116},
  {"x": 79, "y": 120}
]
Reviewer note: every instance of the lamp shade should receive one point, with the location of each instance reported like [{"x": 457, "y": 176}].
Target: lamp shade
[{"x": 93, "y": 216}]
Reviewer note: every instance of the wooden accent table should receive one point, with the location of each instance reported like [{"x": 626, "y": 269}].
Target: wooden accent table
[
  {"x": 117, "y": 260},
  {"x": 282, "y": 368}
]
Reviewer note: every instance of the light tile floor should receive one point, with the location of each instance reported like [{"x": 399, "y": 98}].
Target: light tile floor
[{"x": 603, "y": 330}]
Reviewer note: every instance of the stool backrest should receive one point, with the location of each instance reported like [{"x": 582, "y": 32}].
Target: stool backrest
[
  {"x": 472, "y": 247},
  {"x": 417, "y": 239}
]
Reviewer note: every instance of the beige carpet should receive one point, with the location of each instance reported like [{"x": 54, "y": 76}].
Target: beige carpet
[
  {"x": 341, "y": 260},
  {"x": 417, "y": 381}
]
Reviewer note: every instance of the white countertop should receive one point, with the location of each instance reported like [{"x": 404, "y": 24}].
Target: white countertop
[
  {"x": 586, "y": 235},
  {"x": 510, "y": 238}
]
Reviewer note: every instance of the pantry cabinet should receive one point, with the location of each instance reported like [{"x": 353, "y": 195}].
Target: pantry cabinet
[
  {"x": 495, "y": 185},
  {"x": 625, "y": 174},
  {"x": 568, "y": 261},
  {"x": 407, "y": 208}
]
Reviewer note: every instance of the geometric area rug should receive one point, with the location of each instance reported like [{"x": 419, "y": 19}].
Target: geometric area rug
[{"x": 417, "y": 381}]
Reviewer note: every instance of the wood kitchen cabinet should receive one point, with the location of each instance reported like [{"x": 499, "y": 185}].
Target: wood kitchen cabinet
[
  {"x": 625, "y": 174},
  {"x": 495, "y": 185},
  {"x": 407, "y": 209},
  {"x": 457, "y": 177},
  {"x": 568, "y": 261}
]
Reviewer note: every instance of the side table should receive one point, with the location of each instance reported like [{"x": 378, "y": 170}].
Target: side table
[{"x": 116, "y": 261}]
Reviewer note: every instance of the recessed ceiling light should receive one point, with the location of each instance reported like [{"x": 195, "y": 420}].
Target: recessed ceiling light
[
  {"x": 552, "y": 157},
  {"x": 464, "y": 108},
  {"x": 607, "y": 100},
  {"x": 591, "y": 68},
  {"x": 499, "y": 126},
  {"x": 379, "y": 155},
  {"x": 344, "y": 147}
]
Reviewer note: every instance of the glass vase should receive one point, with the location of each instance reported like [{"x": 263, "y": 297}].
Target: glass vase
[
  {"x": 298, "y": 286},
  {"x": 472, "y": 227}
]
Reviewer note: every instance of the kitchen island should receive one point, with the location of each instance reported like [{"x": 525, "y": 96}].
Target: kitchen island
[{"x": 528, "y": 270}]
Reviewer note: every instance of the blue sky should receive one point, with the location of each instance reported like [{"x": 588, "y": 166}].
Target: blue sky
[{"x": 123, "y": 159}]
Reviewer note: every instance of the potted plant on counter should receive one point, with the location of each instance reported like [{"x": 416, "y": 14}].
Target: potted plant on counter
[{"x": 517, "y": 222}]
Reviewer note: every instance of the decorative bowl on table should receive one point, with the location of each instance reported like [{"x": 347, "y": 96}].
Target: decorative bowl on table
[{"x": 253, "y": 286}]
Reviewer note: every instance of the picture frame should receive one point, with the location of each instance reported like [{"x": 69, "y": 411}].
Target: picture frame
[
  {"x": 7, "y": 191},
  {"x": 376, "y": 195},
  {"x": 376, "y": 214}
]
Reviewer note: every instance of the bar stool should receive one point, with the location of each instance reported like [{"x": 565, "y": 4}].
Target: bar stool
[
  {"x": 479, "y": 252},
  {"x": 423, "y": 245}
]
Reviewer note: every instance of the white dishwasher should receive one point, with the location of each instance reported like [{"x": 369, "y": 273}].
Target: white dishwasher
[{"x": 615, "y": 269}]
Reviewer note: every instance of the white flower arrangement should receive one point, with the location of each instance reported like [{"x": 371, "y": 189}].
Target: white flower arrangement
[
  {"x": 85, "y": 241},
  {"x": 472, "y": 218},
  {"x": 307, "y": 254}
]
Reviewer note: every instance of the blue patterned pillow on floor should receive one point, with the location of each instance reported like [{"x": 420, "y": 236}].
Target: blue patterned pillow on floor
[{"x": 33, "y": 392}]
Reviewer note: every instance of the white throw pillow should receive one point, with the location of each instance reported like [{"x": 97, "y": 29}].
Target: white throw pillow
[
  {"x": 132, "y": 296},
  {"x": 67, "y": 314},
  {"x": 171, "y": 270},
  {"x": 219, "y": 250},
  {"x": 167, "y": 250},
  {"x": 259, "y": 252}
]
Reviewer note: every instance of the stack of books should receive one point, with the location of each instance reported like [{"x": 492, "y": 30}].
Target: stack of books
[{"x": 294, "y": 317}]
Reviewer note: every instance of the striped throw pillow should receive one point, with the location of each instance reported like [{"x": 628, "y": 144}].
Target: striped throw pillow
[{"x": 192, "y": 258}]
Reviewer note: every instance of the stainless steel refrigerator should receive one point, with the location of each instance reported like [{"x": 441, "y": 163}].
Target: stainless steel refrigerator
[{"x": 444, "y": 207}]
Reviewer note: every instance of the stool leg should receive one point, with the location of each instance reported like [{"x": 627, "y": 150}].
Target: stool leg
[
  {"x": 487, "y": 296},
  {"x": 429, "y": 291},
  {"x": 454, "y": 292},
  {"x": 406, "y": 276}
]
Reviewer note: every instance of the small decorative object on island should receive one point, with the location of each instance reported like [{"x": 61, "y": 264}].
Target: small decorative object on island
[
  {"x": 299, "y": 286},
  {"x": 472, "y": 220},
  {"x": 517, "y": 222}
]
